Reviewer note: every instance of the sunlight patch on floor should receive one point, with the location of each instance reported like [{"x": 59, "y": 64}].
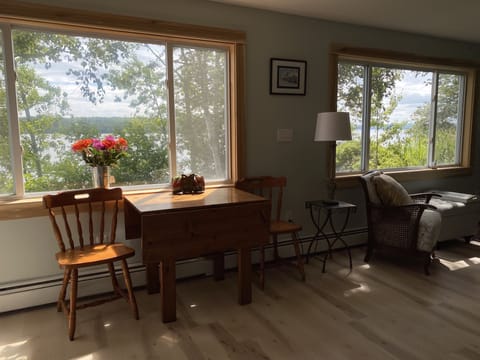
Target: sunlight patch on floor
[
  {"x": 362, "y": 288},
  {"x": 7, "y": 349},
  {"x": 169, "y": 339},
  {"x": 474, "y": 260},
  {"x": 454, "y": 265},
  {"x": 85, "y": 357}
]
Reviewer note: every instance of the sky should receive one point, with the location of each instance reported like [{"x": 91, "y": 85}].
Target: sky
[
  {"x": 80, "y": 106},
  {"x": 56, "y": 74},
  {"x": 414, "y": 93}
]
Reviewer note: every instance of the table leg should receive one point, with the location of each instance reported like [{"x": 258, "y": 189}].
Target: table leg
[
  {"x": 319, "y": 227},
  {"x": 218, "y": 266},
  {"x": 339, "y": 237},
  {"x": 244, "y": 276},
  {"x": 167, "y": 290},
  {"x": 153, "y": 284}
]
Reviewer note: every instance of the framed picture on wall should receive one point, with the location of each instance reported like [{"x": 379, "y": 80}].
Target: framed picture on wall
[{"x": 288, "y": 77}]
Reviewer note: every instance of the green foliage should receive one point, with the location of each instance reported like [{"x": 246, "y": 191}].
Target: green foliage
[
  {"x": 147, "y": 162},
  {"x": 349, "y": 156}
]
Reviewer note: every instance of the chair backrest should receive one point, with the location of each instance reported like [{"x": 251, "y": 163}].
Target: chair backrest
[
  {"x": 83, "y": 217},
  {"x": 369, "y": 189},
  {"x": 268, "y": 187}
]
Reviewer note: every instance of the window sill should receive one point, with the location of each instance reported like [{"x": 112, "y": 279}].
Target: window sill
[
  {"x": 33, "y": 207},
  {"x": 351, "y": 180}
]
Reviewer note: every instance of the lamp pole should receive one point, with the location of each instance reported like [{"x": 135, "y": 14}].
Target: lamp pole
[{"x": 330, "y": 127}]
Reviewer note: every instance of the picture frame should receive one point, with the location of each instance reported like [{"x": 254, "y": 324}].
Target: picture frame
[{"x": 288, "y": 77}]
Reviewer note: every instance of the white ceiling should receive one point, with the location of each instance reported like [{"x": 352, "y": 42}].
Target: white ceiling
[{"x": 454, "y": 19}]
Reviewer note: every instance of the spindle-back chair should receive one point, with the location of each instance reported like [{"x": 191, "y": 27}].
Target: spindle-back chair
[
  {"x": 84, "y": 224},
  {"x": 272, "y": 188}
]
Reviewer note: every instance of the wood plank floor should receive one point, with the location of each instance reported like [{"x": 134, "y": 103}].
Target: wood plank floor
[{"x": 385, "y": 310}]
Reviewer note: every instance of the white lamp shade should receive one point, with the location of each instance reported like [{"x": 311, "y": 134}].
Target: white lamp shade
[{"x": 332, "y": 126}]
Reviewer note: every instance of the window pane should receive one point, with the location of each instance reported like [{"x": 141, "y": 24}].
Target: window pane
[
  {"x": 72, "y": 87},
  {"x": 201, "y": 117},
  {"x": 448, "y": 115},
  {"x": 6, "y": 178},
  {"x": 351, "y": 82},
  {"x": 400, "y": 114}
]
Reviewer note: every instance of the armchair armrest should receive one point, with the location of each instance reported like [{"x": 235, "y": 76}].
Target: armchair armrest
[{"x": 424, "y": 197}]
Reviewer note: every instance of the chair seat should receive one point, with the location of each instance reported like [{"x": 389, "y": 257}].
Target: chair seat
[
  {"x": 284, "y": 227},
  {"x": 93, "y": 255}
]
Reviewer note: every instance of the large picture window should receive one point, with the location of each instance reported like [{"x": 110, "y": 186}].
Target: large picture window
[
  {"x": 404, "y": 116},
  {"x": 170, "y": 99}
]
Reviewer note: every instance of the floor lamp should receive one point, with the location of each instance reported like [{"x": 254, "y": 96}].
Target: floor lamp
[{"x": 332, "y": 126}]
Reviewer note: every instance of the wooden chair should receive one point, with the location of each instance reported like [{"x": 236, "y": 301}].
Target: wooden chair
[
  {"x": 84, "y": 219},
  {"x": 272, "y": 188}
]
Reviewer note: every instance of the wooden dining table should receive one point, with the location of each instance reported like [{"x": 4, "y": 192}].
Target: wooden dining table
[{"x": 173, "y": 227}]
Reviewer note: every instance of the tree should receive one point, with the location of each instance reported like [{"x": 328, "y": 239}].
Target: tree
[
  {"x": 147, "y": 162},
  {"x": 447, "y": 117},
  {"x": 200, "y": 100},
  {"x": 143, "y": 85},
  {"x": 383, "y": 100},
  {"x": 41, "y": 104}
]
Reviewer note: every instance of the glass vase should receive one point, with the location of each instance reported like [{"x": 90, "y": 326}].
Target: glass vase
[{"x": 101, "y": 176}]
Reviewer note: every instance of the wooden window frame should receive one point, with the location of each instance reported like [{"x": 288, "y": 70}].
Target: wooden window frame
[{"x": 405, "y": 59}]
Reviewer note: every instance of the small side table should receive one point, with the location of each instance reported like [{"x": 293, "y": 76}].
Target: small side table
[{"x": 322, "y": 213}]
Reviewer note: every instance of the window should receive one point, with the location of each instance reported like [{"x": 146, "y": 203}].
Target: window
[
  {"x": 173, "y": 100},
  {"x": 404, "y": 115}
]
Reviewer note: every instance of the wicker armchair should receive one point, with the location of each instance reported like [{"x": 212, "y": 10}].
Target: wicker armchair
[{"x": 397, "y": 220}]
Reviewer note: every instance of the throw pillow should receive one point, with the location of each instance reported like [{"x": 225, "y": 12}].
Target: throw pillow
[{"x": 390, "y": 191}]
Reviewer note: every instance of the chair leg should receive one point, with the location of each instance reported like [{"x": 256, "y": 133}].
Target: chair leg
[
  {"x": 63, "y": 290},
  {"x": 113, "y": 277},
  {"x": 72, "y": 314},
  {"x": 368, "y": 255},
  {"x": 262, "y": 267},
  {"x": 299, "y": 255},
  {"x": 275, "y": 248},
  {"x": 428, "y": 261},
  {"x": 128, "y": 285}
]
